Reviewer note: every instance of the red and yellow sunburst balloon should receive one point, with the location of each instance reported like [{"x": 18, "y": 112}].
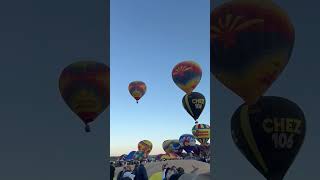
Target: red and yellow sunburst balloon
[
  {"x": 187, "y": 75},
  {"x": 137, "y": 89},
  {"x": 251, "y": 43}
]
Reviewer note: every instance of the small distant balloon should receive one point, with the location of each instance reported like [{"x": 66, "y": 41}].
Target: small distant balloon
[
  {"x": 202, "y": 133},
  {"x": 194, "y": 104},
  {"x": 84, "y": 86},
  {"x": 187, "y": 75},
  {"x": 269, "y": 134},
  {"x": 187, "y": 142},
  {"x": 137, "y": 89}
]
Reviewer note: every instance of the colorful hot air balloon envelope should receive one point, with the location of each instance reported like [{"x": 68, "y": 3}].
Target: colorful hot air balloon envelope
[
  {"x": 145, "y": 146},
  {"x": 194, "y": 104},
  {"x": 165, "y": 156},
  {"x": 137, "y": 89},
  {"x": 172, "y": 146},
  {"x": 172, "y": 156},
  {"x": 250, "y": 43},
  {"x": 187, "y": 141},
  {"x": 158, "y": 157},
  {"x": 139, "y": 155},
  {"x": 166, "y": 146},
  {"x": 84, "y": 86},
  {"x": 202, "y": 133},
  {"x": 269, "y": 134},
  {"x": 187, "y": 75},
  {"x": 130, "y": 156}
]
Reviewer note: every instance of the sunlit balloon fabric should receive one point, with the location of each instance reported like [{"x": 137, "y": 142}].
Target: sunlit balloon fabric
[
  {"x": 251, "y": 44},
  {"x": 84, "y": 86},
  {"x": 145, "y": 146},
  {"x": 137, "y": 89},
  {"x": 201, "y": 132},
  {"x": 187, "y": 75}
]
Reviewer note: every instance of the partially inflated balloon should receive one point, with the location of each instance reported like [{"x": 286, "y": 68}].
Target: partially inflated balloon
[
  {"x": 145, "y": 146},
  {"x": 173, "y": 156},
  {"x": 187, "y": 75},
  {"x": 137, "y": 89},
  {"x": 139, "y": 155},
  {"x": 84, "y": 86},
  {"x": 202, "y": 133},
  {"x": 166, "y": 146},
  {"x": 158, "y": 157},
  {"x": 187, "y": 141},
  {"x": 194, "y": 104},
  {"x": 172, "y": 146},
  {"x": 130, "y": 156},
  {"x": 269, "y": 134},
  {"x": 250, "y": 43},
  {"x": 196, "y": 150}
]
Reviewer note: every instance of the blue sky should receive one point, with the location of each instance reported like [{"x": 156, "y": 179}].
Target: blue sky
[{"x": 148, "y": 38}]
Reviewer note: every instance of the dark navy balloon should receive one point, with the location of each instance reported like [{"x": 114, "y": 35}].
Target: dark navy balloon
[
  {"x": 194, "y": 104},
  {"x": 269, "y": 134}
]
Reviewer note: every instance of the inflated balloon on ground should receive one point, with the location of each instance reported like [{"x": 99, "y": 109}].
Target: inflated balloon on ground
[
  {"x": 187, "y": 142},
  {"x": 145, "y": 146}
]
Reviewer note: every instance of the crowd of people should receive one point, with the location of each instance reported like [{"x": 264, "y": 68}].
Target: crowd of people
[
  {"x": 139, "y": 172},
  {"x": 171, "y": 173}
]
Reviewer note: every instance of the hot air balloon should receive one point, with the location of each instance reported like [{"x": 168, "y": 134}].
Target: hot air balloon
[
  {"x": 84, "y": 86},
  {"x": 187, "y": 141},
  {"x": 172, "y": 146},
  {"x": 137, "y": 89},
  {"x": 139, "y": 155},
  {"x": 145, "y": 146},
  {"x": 130, "y": 156},
  {"x": 196, "y": 150},
  {"x": 187, "y": 75},
  {"x": 202, "y": 133},
  {"x": 194, "y": 104},
  {"x": 269, "y": 134},
  {"x": 251, "y": 44}
]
